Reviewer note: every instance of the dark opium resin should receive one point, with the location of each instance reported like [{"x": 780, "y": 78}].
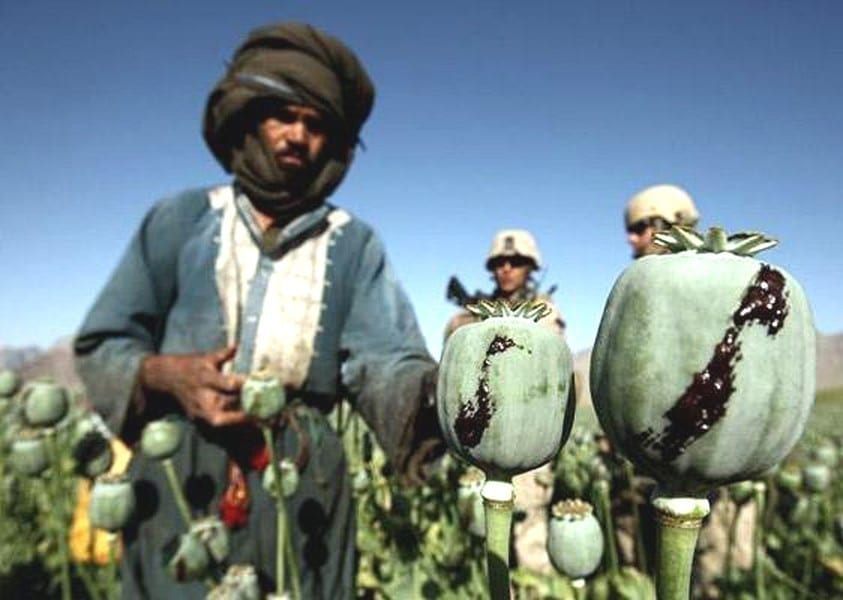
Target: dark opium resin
[
  {"x": 704, "y": 401},
  {"x": 473, "y": 417}
]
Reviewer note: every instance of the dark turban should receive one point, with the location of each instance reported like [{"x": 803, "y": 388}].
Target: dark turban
[{"x": 296, "y": 64}]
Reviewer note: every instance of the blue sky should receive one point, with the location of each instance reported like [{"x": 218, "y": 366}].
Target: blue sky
[{"x": 546, "y": 115}]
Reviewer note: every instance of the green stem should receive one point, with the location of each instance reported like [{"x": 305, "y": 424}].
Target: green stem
[
  {"x": 579, "y": 588},
  {"x": 281, "y": 513},
  {"x": 772, "y": 502},
  {"x": 178, "y": 495},
  {"x": 828, "y": 513},
  {"x": 679, "y": 521},
  {"x": 810, "y": 551},
  {"x": 88, "y": 582},
  {"x": 807, "y": 573},
  {"x": 759, "y": 489},
  {"x": 113, "y": 583},
  {"x": 601, "y": 489},
  {"x": 498, "y": 502},
  {"x": 355, "y": 436},
  {"x": 284, "y": 549},
  {"x": 640, "y": 549},
  {"x": 293, "y": 565},
  {"x": 60, "y": 522},
  {"x": 785, "y": 579},
  {"x": 340, "y": 423}
]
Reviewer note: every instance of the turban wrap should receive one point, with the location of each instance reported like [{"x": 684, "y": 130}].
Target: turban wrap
[{"x": 296, "y": 64}]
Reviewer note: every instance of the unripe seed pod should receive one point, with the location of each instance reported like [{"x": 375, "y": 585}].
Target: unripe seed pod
[
  {"x": 289, "y": 478},
  {"x": 816, "y": 476},
  {"x": 161, "y": 438},
  {"x": 191, "y": 559},
  {"x": 505, "y": 397},
  {"x": 799, "y": 515},
  {"x": 360, "y": 481},
  {"x": 789, "y": 479},
  {"x": 741, "y": 492},
  {"x": 44, "y": 403},
  {"x": 825, "y": 453},
  {"x": 91, "y": 447},
  {"x": 214, "y": 535},
  {"x": 772, "y": 541},
  {"x": 29, "y": 454},
  {"x": 112, "y": 502},
  {"x": 239, "y": 583},
  {"x": 575, "y": 539},
  {"x": 10, "y": 383},
  {"x": 262, "y": 395}
]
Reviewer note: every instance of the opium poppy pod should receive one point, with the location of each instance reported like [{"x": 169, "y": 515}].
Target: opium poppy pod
[
  {"x": 112, "y": 502},
  {"x": 214, "y": 535},
  {"x": 240, "y": 581},
  {"x": 289, "y": 478},
  {"x": 29, "y": 455},
  {"x": 703, "y": 368},
  {"x": 160, "y": 439},
  {"x": 575, "y": 539},
  {"x": 191, "y": 559},
  {"x": 262, "y": 395},
  {"x": 10, "y": 383},
  {"x": 505, "y": 394},
  {"x": 45, "y": 403}
]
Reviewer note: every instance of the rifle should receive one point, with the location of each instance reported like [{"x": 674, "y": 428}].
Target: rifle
[{"x": 456, "y": 293}]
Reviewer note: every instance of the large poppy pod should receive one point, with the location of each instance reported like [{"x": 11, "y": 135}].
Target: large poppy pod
[{"x": 704, "y": 364}]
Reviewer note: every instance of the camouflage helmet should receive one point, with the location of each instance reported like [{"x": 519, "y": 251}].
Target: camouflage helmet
[
  {"x": 667, "y": 202},
  {"x": 514, "y": 242}
]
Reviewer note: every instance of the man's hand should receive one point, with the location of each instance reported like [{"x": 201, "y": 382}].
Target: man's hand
[{"x": 197, "y": 382}]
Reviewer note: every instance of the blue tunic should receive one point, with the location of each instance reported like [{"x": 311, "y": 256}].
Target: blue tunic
[{"x": 164, "y": 297}]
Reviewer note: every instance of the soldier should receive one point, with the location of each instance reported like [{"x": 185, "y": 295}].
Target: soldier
[
  {"x": 655, "y": 209},
  {"x": 513, "y": 258}
]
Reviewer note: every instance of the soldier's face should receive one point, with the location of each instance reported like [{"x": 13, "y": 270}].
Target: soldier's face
[
  {"x": 511, "y": 273},
  {"x": 640, "y": 238},
  {"x": 296, "y": 136}
]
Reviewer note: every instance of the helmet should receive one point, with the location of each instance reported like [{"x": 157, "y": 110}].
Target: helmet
[
  {"x": 668, "y": 202},
  {"x": 514, "y": 242}
]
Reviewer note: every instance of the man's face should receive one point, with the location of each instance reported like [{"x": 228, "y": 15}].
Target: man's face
[
  {"x": 511, "y": 272},
  {"x": 297, "y": 137},
  {"x": 640, "y": 238}
]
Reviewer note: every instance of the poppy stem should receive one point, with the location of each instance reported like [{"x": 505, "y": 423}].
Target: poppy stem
[
  {"x": 679, "y": 522},
  {"x": 498, "y": 502}
]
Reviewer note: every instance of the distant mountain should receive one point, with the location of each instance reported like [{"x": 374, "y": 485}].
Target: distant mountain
[
  {"x": 14, "y": 358},
  {"x": 57, "y": 363}
]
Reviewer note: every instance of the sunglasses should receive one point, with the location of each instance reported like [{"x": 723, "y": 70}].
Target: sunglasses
[
  {"x": 638, "y": 227},
  {"x": 513, "y": 261}
]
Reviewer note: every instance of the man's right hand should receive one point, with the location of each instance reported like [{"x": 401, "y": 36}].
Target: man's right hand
[{"x": 197, "y": 382}]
